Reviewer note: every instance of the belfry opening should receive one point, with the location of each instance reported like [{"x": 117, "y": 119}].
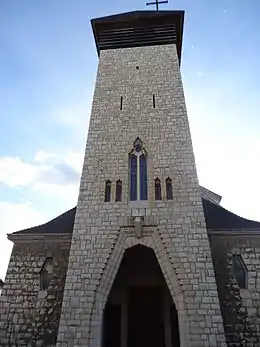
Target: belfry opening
[{"x": 139, "y": 311}]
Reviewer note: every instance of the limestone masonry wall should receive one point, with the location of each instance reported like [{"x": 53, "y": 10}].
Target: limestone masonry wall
[
  {"x": 179, "y": 227},
  {"x": 240, "y": 307},
  {"x": 29, "y": 316}
]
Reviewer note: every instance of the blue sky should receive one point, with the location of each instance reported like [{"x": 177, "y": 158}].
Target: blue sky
[{"x": 48, "y": 65}]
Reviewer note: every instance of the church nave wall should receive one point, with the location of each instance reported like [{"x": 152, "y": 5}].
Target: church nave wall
[
  {"x": 239, "y": 293},
  {"x": 33, "y": 293}
]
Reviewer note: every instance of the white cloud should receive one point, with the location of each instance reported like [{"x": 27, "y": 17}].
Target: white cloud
[
  {"x": 67, "y": 192},
  {"x": 43, "y": 157},
  {"x": 64, "y": 195},
  {"x": 75, "y": 160},
  {"x": 15, "y": 217},
  {"x": 15, "y": 173},
  {"x": 63, "y": 171},
  {"x": 18, "y": 216}
]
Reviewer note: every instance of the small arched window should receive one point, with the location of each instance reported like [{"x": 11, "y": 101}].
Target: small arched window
[
  {"x": 119, "y": 190},
  {"x": 157, "y": 189},
  {"x": 239, "y": 270},
  {"x": 169, "y": 193},
  {"x": 138, "y": 172},
  {"x": 108, "y": 191},
  {"x": 46, "y": 274}
]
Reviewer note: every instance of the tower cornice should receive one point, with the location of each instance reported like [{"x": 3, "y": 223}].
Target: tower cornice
[{"x": 139, "y": 28}]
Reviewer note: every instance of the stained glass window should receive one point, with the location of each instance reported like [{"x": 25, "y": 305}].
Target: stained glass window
[
  {"x": 133, "y": 178},
  {"x": 138, "y": 171},
  {"x": 138, "y": 145},
  {"x": 143, "y": 178}
]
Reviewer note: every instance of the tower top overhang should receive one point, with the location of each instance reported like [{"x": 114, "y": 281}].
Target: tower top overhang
[{"x": 139, "y": 28}]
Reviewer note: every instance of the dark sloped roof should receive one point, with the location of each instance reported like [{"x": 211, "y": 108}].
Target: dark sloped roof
[
  {"x": 217, "y": 218},
  {"x": 61, "y": 224}
]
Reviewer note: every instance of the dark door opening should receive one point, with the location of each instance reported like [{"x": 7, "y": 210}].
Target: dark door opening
[
  {"x": 145, "y": 317},
  {"x": 112, "y": 326},
  {"x": 174, "y": 327},
  {"x": 140, "y": 311}
]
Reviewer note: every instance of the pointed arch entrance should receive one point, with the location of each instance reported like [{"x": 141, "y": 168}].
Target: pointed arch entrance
[
  {"x": 101, "y": 308},
  {"x": 139, "y": 311}
]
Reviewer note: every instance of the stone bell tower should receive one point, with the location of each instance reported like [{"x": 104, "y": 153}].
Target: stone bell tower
[{"x": 140, "y": 270}]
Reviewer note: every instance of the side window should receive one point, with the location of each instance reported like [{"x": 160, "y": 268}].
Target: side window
[
  {"x": 239, "y": 271},
  {"x": 46, "y": 274}
]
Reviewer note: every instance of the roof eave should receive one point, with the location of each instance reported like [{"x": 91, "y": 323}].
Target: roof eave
[
  {"x": 39, "y": 237},
  {"x": 234, "y": 232}
]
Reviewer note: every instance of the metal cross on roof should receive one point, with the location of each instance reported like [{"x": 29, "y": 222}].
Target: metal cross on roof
[{"x": 157, "y": 3}]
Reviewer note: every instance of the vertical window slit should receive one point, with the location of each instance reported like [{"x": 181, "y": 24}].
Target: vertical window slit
[
  {"x": 121, "y": 103},
  {"x": 119, "y": 190},
  {"x": 157, "y": 189},
  {"x": 108, "y": 191},
  {"x": 153, "y": 101},
  {"x": 169, "y": 193}
]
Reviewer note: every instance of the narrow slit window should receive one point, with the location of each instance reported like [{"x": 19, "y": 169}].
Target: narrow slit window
[
  {"x": 239, "y": 271},
  {"x": 153, "y": 101},
  {"x": 121, "y": 103},
  {"x": 108, "y": 191},
  {"x": 46, "y": 274},
  {"x": 169, "y": 192},
  {"x": 119, "y": 190},
  {"x": 157, "y": 189}
]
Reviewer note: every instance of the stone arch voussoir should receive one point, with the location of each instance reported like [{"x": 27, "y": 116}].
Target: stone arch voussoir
[{"x": 124, "y": 242}]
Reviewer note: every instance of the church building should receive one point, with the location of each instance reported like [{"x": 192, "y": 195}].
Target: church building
[{"x": 148, "y": 257}]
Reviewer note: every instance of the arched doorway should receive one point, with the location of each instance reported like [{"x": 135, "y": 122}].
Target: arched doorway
[{"x": 139, "y": 311}]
